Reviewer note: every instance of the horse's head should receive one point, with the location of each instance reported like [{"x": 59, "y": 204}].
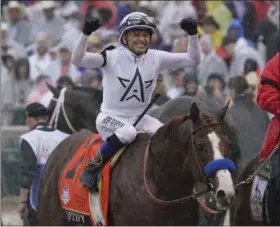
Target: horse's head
[
  {"x": 208, "y": 152},
  {"x": 198, "y": 142},
  {"x": 75, "y": 108}
]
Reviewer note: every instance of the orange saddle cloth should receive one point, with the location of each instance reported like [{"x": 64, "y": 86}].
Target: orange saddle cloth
[{"x": 74, "y": 197}]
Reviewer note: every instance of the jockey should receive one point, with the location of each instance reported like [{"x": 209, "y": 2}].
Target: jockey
[
  {"x": 36, "y": 146},
  {"x": 269, "y": 100},
  {"x": 129, "y": 78}
]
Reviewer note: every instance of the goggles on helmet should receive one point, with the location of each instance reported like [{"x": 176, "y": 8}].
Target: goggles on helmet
[{"x": 135, "y": 20}]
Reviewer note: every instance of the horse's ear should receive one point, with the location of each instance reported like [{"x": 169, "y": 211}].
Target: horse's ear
[
  {"x": 194, "y": 112},
  {"x": 186, "y": 117},
  {"x": 53, "y": 90},
  {"x": 222, "y": 113}
]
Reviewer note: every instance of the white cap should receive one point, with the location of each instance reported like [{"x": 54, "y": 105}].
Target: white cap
[
  {"x": 48, "y": 4},
  {"x": 14, "y": 4}
]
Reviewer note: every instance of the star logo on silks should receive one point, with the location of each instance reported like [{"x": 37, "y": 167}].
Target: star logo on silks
[
  {"x": 65, "y": 197},
  {"x": 134, "y": 87}
]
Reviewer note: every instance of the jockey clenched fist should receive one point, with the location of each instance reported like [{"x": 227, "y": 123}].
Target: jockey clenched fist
[
  {"x": 189, "y": 25},
  {"x": 91, "y": 24}
]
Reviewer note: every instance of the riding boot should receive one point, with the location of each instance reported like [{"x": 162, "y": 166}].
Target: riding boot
[{"x": 108, "y": 149}]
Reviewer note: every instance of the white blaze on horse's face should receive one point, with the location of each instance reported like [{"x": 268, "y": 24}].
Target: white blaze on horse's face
[{"x": 225, "y": 187}]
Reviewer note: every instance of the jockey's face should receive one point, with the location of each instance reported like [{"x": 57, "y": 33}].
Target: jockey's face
[{"x": 137, "y": 41}]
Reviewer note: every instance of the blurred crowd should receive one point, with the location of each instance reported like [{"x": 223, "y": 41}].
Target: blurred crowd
[{"x": 37, "y": 38}]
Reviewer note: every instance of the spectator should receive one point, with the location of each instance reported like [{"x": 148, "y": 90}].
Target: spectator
[
  {"x": 238, "y": 90},
  {"x": 91, "y": 78},
  {"x": 157, "y": 42},
  {"x": 44, "y": 19},
  {"x": 62, "y": 66},
  {"x": 251, "y": 66},
  {"x": 215, "y": 88},
  {"x": 236, "y": 30},
  {"x": 148, "y": 7},
  {"x": 191, "y": 85},
  {"x": 177, "y": 89},
  {"x": 170, "y": 17},
  {"x": 220, "y": 12},
  {"x": 39, "y": 89},
  {"x": 268, "y": 31},
  {"x": 201, "y": 10},
  {"x": 240, "y": 52},
  {"x": 237, "y": 8},
  {"x": 66, "y": 9},
  {"x": 180, "y": 45},
  {"x": 22, "y": 81},
  {"x": 211, "y": 62},
  {"x": 212, "y": 28},
  {"x": 270, "y": 25},
  {"x": 8, "y": 81},
  {"x": 273, "y": 46},
  {"x": 252, "y": 80},
  {"x": 40, "y": 60},
  {"x": 123, "y": 8},
  {"x": 106, "y": 12},
  {"x": 7, "y": 89},
  {"x": 161, "y": 89},
  {"x": 8, "y": 44},
  {"x": 20, "y": 29},
  {"x": 251, "y": 122},
  {"x": 256, "y": 11},
  {"x": 94, "y": 44}
]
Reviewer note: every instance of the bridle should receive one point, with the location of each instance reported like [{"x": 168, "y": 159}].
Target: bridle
[
  {"x": 209, "y": 186},
  {"x": 56, "y": 112}
]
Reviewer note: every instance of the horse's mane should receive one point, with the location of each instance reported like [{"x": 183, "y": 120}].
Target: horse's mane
[
  {"x": 168, "y": 129},
  {"x": 98, "y": 94},
  {"x": 84, "y": 89}
]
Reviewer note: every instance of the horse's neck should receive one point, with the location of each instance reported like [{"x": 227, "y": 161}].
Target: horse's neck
[{"x": 168, "y": 171}]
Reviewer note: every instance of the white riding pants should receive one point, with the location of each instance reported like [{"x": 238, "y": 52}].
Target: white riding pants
[{"x": 107, "y": 124}]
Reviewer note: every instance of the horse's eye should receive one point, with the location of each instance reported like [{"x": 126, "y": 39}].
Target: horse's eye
[{"x": 199, "y": 146}]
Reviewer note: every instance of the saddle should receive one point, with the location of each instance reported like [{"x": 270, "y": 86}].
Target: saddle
[{"x": 82, "y": 207}]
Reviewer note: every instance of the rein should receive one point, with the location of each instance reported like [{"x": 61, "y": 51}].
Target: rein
[
  {"x": 194, "y": 195},
  {"x": 250, "y": 178},
  {"x": 58, "y": 107}
]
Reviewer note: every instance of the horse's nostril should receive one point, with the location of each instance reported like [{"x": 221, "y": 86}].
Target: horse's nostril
[{"x": 221, "y": 194}]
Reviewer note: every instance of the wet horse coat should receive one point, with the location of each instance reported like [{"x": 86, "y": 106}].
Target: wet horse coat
[{"x": 128, "y": 195}]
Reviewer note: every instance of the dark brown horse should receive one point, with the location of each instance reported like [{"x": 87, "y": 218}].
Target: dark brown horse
[
  {"x": 242, "y": 214},
  {"x": 242, "y": 211},
  {"x": 76, "y": 108},
  {"x": 178, "y": 151}
]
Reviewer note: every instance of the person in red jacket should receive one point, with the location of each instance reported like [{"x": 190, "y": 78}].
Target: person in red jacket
[{"x": 269, "y": 100}]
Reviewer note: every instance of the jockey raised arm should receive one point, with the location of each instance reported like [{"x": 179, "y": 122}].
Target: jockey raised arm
[{"x": 130, "y": 77}]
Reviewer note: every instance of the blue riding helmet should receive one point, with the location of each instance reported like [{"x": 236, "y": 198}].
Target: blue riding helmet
[{"x": 136, "y": 21}]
